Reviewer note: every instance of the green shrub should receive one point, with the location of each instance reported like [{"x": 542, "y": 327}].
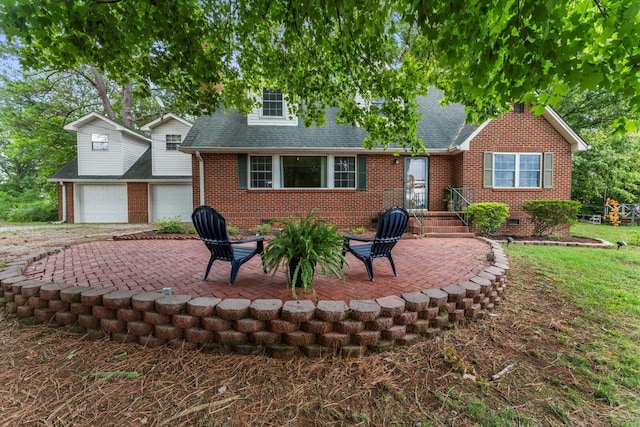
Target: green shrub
[
  {"x": 547, "y": 214},
  {"x": 359, "y": 230},
  {"x": 488, "y": 216},
  {"x": 41, "y": 211},
  {"x": 263, "y": 229},
  {"x": 170, "y": 226},
  {"x": 232, "y": 231}
]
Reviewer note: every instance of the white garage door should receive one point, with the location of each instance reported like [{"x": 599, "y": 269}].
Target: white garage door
[
  {"x": 102, "y": 203},
  {"x": 170, "y": 201}
]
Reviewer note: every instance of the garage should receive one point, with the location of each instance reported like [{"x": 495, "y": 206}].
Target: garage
[
  {"x": 170, "y": 201},
  {"x": 102, "y": 203}
]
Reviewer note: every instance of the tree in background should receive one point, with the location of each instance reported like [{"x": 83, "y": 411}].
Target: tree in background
[
  {"x": 611, "y": 167},
  {"x": 482, "y": 54},
  {"x": 34, "y": 107}
]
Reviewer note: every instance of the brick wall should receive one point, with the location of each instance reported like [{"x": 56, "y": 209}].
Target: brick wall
[
  {"x": 264, "y": 325},
  {"x": 246, "y": 208},
  {"x": 518, "y": 133},
  {"x": 440, "y": 177},
  {"x": 68, "y": 188},
  {"x": 138, "y": 201}
]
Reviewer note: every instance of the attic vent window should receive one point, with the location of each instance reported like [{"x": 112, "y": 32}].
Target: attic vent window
[
  {"x": 99, "y": 141},
  {"x": 173, "y": 142},
  {"x": 518, "y": 107},
  {"x": 272, "y": 103}
]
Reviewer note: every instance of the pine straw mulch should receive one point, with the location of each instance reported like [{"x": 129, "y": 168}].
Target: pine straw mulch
[{"x": 53, "y": 377}]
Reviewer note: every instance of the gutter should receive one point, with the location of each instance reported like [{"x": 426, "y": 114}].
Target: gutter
[{"x": 201, "y": 176}]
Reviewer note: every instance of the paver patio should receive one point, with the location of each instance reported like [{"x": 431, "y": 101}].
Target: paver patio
[{"x": 150, "y": 265}]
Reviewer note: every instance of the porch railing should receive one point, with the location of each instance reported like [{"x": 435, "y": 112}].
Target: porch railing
[
  {"x": 460, "y": 198},
  {"x": 413, "y": 199}
]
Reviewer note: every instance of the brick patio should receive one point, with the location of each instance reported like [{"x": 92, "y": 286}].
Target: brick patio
[
  {"x": 150, "y": 265},
  {"x": 113, "y": 289}
]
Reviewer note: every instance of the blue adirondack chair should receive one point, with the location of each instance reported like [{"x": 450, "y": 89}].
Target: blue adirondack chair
[
  {"x": 212, "y": 230},
  {"x": 391, "y": 225}
]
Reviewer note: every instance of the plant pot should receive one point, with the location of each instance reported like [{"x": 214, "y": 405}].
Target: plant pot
[{"x": 293, "y": 264}]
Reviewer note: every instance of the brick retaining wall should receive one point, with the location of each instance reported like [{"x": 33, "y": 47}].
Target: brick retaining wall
[{"x": 278, "y": 328}]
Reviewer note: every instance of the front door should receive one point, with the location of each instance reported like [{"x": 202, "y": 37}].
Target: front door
[{"x": 415, "y": 182}]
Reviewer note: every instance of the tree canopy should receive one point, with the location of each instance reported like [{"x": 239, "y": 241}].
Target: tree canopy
[{"x": 322, "y": 53}]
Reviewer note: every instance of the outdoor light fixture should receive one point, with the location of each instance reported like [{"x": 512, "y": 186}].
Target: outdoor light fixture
[{"x": 396, "y": 161}]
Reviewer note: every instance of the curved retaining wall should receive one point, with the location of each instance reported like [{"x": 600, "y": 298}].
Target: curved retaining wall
[{"x": 278, "y": 328}]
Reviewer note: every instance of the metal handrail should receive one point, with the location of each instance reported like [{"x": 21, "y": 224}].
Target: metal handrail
[
  {"x": 401, "y": 197},
  {"x": 461, "y": 198}
]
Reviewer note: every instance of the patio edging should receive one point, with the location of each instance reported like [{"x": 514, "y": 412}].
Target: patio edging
[{"x": 280, "y": 329}]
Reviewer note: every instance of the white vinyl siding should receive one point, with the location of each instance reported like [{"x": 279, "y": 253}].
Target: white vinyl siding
[
  {"x": 131, "y": 151},
  {"x": 101, "y": 203},
  {"x": 170, "y": 201},
  {"x": 122, "y": 152},
  {"x": 99, "y": 162},
  {"x": 169, "y": 162}
]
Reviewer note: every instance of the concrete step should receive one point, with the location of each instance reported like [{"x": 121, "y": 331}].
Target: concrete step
[
  {"x": 440, "y": 222},
  {"x": 437, "y": 223},
  {"x": 456, "y": 235},
  {"x": 444, "y": 229}
]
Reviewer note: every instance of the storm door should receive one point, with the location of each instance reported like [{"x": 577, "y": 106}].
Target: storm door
[{"x": 415, "y": 182}]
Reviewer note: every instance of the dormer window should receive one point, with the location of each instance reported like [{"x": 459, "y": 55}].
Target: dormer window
[
  {"x": 272, "y": 103},
  {"x": 173, "y": 142},
  {"x": 99, "y": 141}
]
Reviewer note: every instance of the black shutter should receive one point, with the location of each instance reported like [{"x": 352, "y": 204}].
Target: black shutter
[
  {"x": 362, "y": 173},
  {"x": 242, "y": 170}
]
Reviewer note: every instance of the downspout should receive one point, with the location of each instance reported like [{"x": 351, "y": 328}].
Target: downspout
[
  {"x": 64, "y": 204},
  {"x": 201, "y": 176}
]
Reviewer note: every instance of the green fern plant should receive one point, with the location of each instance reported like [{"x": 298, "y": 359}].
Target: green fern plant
[{"x": 304, "y": 246}]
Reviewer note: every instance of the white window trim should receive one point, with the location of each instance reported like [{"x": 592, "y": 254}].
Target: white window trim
[
  {"x": 96, "y": 138},
  {"x": 167, "y": 142},
  {"x": 272, "y": 117},
  {"x": 517, "y": 171},
  {"x": 276, "y": 175}
]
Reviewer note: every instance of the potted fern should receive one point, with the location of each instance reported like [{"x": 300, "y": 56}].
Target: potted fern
[{"x": 303, "y": 246}]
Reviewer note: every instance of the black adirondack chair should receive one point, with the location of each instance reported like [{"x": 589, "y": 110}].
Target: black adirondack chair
[
  {"x": 212, "y": 230},
  {"x": 391, "y": 225}
]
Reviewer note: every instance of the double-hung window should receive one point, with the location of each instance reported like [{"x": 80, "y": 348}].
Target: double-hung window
[
  {"x": 272, "y": 103},
  {"x": 344, "y": 172},
  {"x": 517, "y": 170},
  {"x": 261, "y": 172},
  {"x": 301, "y": 171},
  {"x": 99, "y": 141},
  {"x": 172, "y": 142}
]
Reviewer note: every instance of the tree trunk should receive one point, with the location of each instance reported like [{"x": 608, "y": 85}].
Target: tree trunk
[
  {"x": 127, "y": 105},
  {"x": 101, "y": 87}
]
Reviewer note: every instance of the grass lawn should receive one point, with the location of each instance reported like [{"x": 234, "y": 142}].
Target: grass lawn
[{"x": 605, "y": 285}]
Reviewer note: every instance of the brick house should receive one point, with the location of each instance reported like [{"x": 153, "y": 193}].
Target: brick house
[
  {"x": 268, "y": 165},
  {"x": 122, "y": 176}
]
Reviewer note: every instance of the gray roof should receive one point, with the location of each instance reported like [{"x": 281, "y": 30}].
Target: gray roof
[
  {"x": 441, "y": 128},
  {"x": 139, "y": 171},
  {"x": 70, "y": 172}
]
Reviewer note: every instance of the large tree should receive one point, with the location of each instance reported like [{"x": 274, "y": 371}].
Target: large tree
[
  {"x": 611, "y": 167},
  {"x": 324, "y": 52}
]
